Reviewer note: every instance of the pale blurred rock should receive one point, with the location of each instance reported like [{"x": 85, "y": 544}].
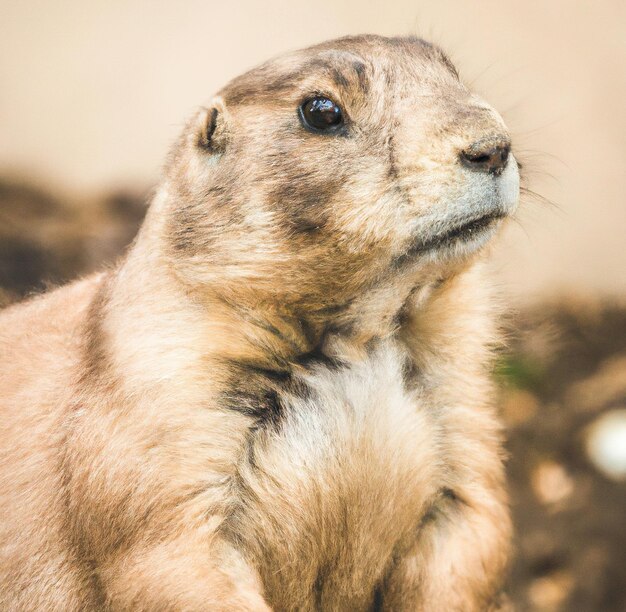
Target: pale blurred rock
[
  {"x": 551, "y": 483},
  {"x": 518, "y": 406},
  {"x": 605, "y": 443},
  {"x": 547, "y": 594}
]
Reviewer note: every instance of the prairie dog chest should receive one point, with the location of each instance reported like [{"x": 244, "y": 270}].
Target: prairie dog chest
[{"x": 339, "y": 485}]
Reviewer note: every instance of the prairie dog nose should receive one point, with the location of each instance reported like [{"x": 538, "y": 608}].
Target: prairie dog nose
[{"x": 487, "y": 155}]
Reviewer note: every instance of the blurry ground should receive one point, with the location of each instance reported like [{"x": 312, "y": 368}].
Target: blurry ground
[
  {"x": 46, "y": 241},
  {"x": 564, "y": 371}
]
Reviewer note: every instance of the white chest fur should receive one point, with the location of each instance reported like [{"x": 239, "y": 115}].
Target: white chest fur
[{"x": 344, "y": 480}]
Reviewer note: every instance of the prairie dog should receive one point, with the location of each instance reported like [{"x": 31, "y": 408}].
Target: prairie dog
[{"x": 280, "y": 398}]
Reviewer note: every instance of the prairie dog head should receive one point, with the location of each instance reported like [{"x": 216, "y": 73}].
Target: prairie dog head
[{"x": 314, "y": 175}]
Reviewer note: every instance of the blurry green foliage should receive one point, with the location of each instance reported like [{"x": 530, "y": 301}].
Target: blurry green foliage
[{"x": 520, "y": 371}]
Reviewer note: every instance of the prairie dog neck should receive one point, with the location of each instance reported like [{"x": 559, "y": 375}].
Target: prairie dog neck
[{"x": 161, "y": 334}]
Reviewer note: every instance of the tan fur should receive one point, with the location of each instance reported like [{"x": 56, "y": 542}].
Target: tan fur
[{"x": 276, "y": 401}]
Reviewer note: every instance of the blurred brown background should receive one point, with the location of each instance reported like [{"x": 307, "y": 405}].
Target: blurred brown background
[{"x": 93, "y": 93}]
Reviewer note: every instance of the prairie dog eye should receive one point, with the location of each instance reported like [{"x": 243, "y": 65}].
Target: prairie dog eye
[{"x": 321, "y": 114}]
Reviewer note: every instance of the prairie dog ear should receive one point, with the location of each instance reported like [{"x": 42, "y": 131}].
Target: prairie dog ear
[{"x": 212, "y": 128}]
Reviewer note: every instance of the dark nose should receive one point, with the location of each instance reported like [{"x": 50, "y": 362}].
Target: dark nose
[{"x": 487, "y": 155}]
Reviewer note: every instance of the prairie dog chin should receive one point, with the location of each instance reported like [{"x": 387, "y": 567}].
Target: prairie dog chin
[{"x": 280, "y": 397}]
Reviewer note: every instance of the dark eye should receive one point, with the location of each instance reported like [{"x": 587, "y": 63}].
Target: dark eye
[{"x": 321, "y": 114}]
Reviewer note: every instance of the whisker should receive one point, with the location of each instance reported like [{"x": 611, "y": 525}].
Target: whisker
[
  {"x": 519, "y": 224},
  {"x": 541, "y": 199}
]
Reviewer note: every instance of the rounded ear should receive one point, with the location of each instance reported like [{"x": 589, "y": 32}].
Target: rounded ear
[{"x": 211, "y": 127}]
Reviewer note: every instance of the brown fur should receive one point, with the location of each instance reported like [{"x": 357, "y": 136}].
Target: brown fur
[{"x": 280, "y": 399}]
